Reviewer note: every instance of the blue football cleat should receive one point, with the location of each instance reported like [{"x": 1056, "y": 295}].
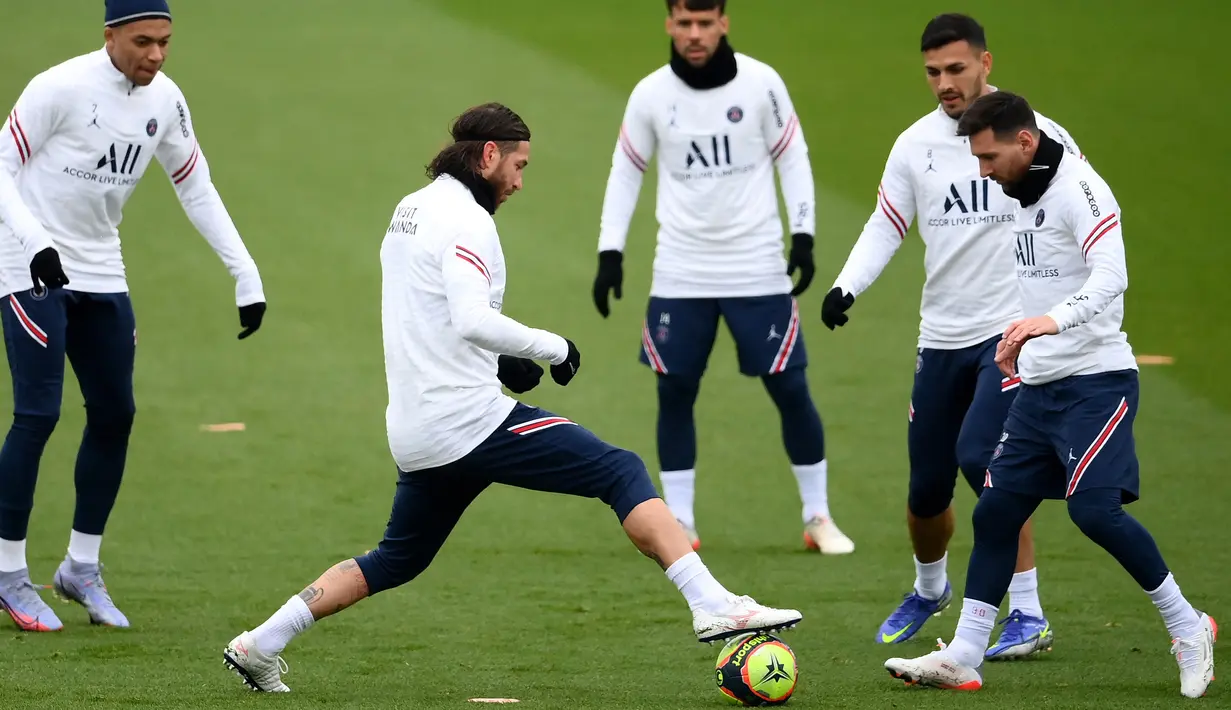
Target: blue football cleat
[
  {"x": 910, "y": 616},
  {"x": 1022, "y": 636},
  {"x": 20, "y": 598},
  {"x": 83, "y": 583}
]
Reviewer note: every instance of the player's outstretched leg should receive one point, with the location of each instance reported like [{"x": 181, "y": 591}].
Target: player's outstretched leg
[
  {"x": 34, "y": 339},
  {"x": 998, "y": 518},
  {"x": 1100, "y": 515},
  {"x": 677, "y": 448},
  {"x": 804, "y": 439},
  {"x": 426, "y": 507},
  {"x": 101, "y": 347}
]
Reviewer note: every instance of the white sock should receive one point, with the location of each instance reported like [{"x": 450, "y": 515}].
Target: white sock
[
  {"x": 678, "y": 494},
  {"x": 813, "y": 489},
  {"x": 286, "y": 623},
  {"x": 84, "y": 548},
  {"x": 12, "y": 555},
  {"x": 1024, "y": 593},
  {"x": 1180, "y": 617},
  {"x": 974, "y": 631},
  {"x": 931, "y": 578},
  {"x": 698, "y": 586}
]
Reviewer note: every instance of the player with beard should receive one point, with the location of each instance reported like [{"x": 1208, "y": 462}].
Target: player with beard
[
  {"x": 960, "y": 398},
  {"x": 720, "y": 123},
  {"x": 453, "y": 432}
]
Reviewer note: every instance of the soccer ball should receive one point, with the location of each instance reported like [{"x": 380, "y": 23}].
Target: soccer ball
[{"x": 756, "y": 670}]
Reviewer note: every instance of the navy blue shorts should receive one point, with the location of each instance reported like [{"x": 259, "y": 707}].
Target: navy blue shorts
[
  {"x": 533, "y": 449},
  {"x": 678, "y": 334},
  {"x": 96, "y": 331},
  {"x": 1070, "y": 435},
  {"x": 957, "y": 409}
]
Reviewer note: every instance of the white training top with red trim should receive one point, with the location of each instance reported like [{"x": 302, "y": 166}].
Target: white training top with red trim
[
  {"x": 72, "y": 151},
  {"x": 442, "y": 286},
  {"x": 966, "y": 224},
  {"x": 720, "y": 231}
]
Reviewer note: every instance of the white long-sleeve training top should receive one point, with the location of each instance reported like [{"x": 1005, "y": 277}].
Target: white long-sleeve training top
[
  {"x": 72, "y": 151},
  {"x": 720, "y": 232},
  {"x": 966, "y": 223},
  {"x": 443, "y": 281},
  {"x": 1071, "y": 267}
]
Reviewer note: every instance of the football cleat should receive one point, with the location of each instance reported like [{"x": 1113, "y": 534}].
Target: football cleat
[
  {"x": 83, "y": 583},
  {"x": 938, "y": 669},
  {"x": 20, "y": 598},
  {"x": 911, "y": 614},
  {"x": 1022, "y": 636},
  {"x": 742, "y": 617},
  {"x": 1195, "y": 657},
  {"x": 258, "y": 671},
  {"x": 823, "y": 535}
]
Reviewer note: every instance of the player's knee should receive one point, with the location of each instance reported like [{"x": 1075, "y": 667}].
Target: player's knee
[
  {"x": 789, "y": 390},
  {"x": 113, "y": 418},
  {"x": 1097, "y": 512},
  {"x": 389, "y": 566},
  {"x": 36, "y": 427},
  {"x": 631, "y": 484},
  {"x": 999, "y": 516},
  {"x": 677, "y": 392},
  {"x": 929, "y": 495}
]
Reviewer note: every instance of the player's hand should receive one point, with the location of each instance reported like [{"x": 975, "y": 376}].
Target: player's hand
[
  {"x": 250, "y": 317},
  {"x": 801, "y": 259},
  {"x": 1006, "y": 357},
  {"x": 519, "y": 374},
  {"x": 45, "y": 267},
  {"x": 610, "y": 278},
  {"x": 565, "y": 371},
  {"x": 834, "y": 307},
  {"x": 1020, "y": 331}
]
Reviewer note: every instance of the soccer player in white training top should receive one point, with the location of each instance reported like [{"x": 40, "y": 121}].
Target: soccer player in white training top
[
  {"x": 959, "y": 398},
  {"x": 719, "y": 122},
  {"x": 1069, "y": 431},
  {"x": 73, "y": 149},
  {"x": 453, "y": 432}
]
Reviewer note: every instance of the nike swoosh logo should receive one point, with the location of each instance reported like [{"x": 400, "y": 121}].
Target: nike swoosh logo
[{"x": 890, "y": 638}]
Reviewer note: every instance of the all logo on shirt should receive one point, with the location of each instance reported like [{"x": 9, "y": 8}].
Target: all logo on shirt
[{"x": 123, "y": 166}]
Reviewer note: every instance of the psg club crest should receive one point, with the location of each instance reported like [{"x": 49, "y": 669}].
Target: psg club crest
[
  {"x": 918, "y": 363},
  {"x": 660, "y": 334},
  {"x": 735, "y": 114},
  {"x": 1038, "y": 219},
  {"x": 152, "y": 127}
]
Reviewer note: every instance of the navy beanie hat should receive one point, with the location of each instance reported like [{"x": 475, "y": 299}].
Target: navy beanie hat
[{"x": 121, "y": 12}]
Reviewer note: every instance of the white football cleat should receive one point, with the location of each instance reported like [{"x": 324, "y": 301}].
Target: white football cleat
[
  {"x": 1195, "y": 656},
  {"x": 823, "y": 535},
  {"x": 938, "y": 669},
  {"x": 744, "y": 616},
  {"x": 257, "y": 670}
]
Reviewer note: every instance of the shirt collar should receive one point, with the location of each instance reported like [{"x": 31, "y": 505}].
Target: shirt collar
[{"x": 112, "y": 75}]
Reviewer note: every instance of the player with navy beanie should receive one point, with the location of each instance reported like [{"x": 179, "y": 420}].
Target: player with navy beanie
[
  {"x": 72, "y": 151},
  {"x": 122, "y": 12}
]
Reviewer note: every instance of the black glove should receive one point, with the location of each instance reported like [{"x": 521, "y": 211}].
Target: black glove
[
  {"x": 833, "y": 309},
  {"x": 610, "y": 277},
  {"x": 45, "y": 267},
  {"x": 250, "y": 318},
  {"x": 801, "y": 258},
  {"x": 518, "y": 373},
  {"x": 564, "y": 372}
]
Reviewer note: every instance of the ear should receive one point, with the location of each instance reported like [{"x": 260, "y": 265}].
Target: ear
[
  {"x": 725, "y": 23},
  {"x": 987, "y": 62},
  {"x": 108, "y": 36},
  {"x": 491, "y": 153},
  {"x": 667, "y": 23},
  {"x": 1025, "y": 139}
]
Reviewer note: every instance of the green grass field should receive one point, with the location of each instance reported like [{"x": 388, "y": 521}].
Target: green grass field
[{"x": 318, "y": 116}]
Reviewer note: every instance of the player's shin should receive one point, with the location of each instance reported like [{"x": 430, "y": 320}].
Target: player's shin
[
  {"x": 341, "y": 586},
  {"x": 654, "y": 530}
]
